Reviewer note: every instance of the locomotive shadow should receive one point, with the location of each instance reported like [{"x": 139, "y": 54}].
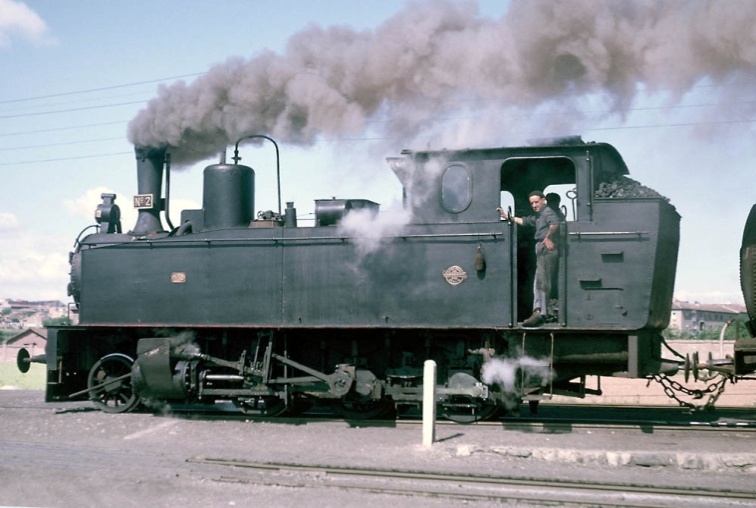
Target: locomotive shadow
[
  {"x": 228, "y": 412},
  {"x": 537, "y": 427},
  {"x": 562, "y": 419},
  {"x": 74, "y": 410}
]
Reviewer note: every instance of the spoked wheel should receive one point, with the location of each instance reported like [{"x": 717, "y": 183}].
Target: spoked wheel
[
  {"x": 464, "y": 409},
  {"x": 268, "y": 406},
  {"x": 109, "y": 384}
]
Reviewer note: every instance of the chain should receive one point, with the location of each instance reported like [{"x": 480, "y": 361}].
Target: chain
[{"x": 714, "y": 389}]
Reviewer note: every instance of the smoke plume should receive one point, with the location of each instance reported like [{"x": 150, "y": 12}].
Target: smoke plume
[{"x": 439, "y": 59}]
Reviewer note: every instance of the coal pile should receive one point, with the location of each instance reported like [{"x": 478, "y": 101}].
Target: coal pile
[{"x": 624, "y": 188}]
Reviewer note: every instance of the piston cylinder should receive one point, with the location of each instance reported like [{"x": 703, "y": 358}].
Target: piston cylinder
[{"x": 156, "y": 374}]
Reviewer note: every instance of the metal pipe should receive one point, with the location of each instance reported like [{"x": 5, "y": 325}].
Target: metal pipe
[
  {"x": 224, "y": 377},
  {"x": 722, "y": 336},
  {"x": 513, "y": 232},
  {"x": 608, "y": 233},
  {"x": 168, "y": 190},
  {"x": 278, "y": 161},
  {"x": 167, "y": 242}
]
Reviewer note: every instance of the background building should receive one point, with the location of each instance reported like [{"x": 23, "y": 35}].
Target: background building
[
  {"x": 33, "y": 340},
  {"x": 696, "y": 317}
]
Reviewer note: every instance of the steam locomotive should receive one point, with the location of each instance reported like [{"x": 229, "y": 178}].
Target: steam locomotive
[{"x": 274, "y": 316}]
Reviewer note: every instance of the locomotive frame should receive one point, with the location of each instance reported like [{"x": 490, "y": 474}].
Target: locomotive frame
[{"x": 272, "y": 316}]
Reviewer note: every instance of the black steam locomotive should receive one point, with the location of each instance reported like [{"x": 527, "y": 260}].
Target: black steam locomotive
[
  {"x": 745, "y": 348},
  {"x": 256, "y": 309}
]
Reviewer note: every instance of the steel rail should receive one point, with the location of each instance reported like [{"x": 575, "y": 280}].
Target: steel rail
[
  {"x": 511, "y": 487},
  {"x": 736, "y": 423}
]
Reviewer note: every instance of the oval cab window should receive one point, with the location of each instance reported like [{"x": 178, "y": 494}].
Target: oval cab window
[{"x": 456, "y": 188}]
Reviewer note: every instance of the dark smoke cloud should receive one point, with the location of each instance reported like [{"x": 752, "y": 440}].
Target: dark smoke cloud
[{"x": 440, "y": 58}]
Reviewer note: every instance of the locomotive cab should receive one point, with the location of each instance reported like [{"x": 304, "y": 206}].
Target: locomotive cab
[{"x": 604, "y": 237}]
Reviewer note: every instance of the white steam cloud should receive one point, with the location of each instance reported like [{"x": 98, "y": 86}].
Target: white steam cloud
[
  {"x": 183, "y": 345},
  {"x": 504, "y": 372},
  {"x": 367, "y": 230},
  {"x": 441, "y": 58}
]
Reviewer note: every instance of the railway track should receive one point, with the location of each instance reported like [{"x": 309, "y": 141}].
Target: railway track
[
  {"x": 73, "y": 450},
  {"x": 610, "y": 416},
  {"x": 464, "y": 487},
  {"x": 575, "y": 416}
]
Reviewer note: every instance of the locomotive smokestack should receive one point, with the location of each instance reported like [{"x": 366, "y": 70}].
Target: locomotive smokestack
[{"x": 149, "y": 182}]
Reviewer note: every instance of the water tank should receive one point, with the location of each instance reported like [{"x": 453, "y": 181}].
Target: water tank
[{"x": 229, "y": 196}]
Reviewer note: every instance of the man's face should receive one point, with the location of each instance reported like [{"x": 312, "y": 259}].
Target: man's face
[{"x": 536, "y": 203}]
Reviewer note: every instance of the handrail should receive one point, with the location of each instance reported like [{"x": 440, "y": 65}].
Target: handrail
[
  {"x": 276, "y": 239},
  {"x": 612, "y": 233}
]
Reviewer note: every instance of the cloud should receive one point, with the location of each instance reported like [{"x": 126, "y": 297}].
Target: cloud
[
  {"x": 85, "y": 205},
  {"x": 8, "y": 222},
  {"x": 33, "y": 266},
  {"x": 709, "y": 296},
  {"x": 18, "y": 20}
]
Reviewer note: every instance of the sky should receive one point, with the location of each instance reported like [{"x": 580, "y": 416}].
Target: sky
[{"x": 341, "y": 85}]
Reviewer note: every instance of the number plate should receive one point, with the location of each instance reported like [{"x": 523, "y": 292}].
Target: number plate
[{"x": 143, "y": 201}]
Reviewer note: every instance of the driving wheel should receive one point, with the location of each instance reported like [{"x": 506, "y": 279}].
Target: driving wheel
[
  {"x": 109, "y": 384},
  {"x": 467, "y": 409}
]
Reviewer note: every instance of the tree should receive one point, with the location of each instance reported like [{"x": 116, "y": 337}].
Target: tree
[
  {"x": 58, "y": 321},
  {"x": 736, "y": 330}
]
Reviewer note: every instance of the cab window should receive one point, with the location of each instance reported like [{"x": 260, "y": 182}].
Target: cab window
[
  {"x": 563, "y": 197},
  {"x": 456, "y": 188}
]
